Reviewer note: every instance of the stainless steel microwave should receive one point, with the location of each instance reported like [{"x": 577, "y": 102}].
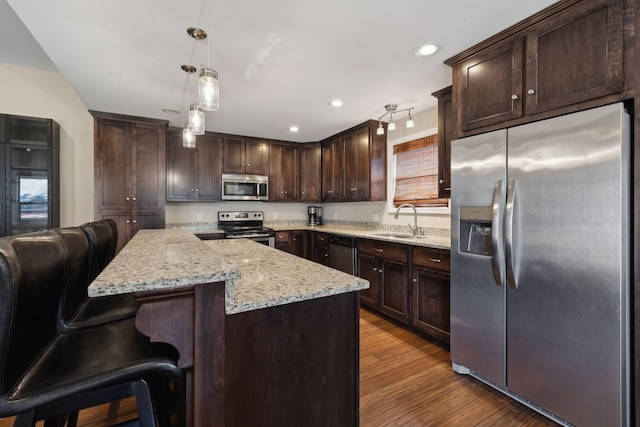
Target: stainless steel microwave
[{"x": 245, "y": 187}]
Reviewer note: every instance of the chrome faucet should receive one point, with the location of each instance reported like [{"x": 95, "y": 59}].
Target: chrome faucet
[{"x": 414, "y": 229}]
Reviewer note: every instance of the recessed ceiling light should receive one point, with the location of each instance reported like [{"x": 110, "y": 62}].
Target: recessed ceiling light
[
  {"x": 170, "y": 111},
  {"x": 294, "y": 128},
  {"x": 336, "y": 103},
  {"x": 427, "y": 49}
]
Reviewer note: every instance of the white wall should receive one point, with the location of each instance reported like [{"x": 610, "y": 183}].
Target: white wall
[{"x": 36, "y": 93}]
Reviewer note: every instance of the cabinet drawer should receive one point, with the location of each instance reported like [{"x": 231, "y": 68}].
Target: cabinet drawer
[
  {"x": 386, "y": 250},
  {"x": 320, "y": 237},
  {"x": 282, "y": 236},
  {"x": 432, "y": 258}
]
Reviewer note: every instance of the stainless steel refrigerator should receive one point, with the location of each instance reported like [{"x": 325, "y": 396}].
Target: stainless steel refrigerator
[{"x": 540, "y": 269}]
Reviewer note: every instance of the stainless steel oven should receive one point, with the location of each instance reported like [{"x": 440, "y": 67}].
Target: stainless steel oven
[{"x": 246, "y": 225}]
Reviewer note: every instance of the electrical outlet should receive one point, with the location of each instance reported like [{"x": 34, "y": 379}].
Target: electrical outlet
[
  {"x": 198, "y": 217},
  {"x": 275, "y": 215},
  {"x": 375, "y": 217},
  {"x": 335, "y": 215}
]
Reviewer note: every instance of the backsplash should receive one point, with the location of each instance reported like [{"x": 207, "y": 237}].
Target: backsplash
[{"x": 203, "y": 227}]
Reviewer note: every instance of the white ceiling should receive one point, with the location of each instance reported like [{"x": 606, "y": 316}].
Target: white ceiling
[{"x": 280, "y": 62}]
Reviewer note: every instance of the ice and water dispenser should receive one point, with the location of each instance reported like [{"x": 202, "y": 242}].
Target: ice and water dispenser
[{"x": 475, "y": 230}]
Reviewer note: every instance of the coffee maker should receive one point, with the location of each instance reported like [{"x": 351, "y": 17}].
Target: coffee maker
[{"x": 315, "y": 215}]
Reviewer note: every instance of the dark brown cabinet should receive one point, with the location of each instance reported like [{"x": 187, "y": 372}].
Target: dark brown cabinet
[
  {"x": 310, "y": 172},
  {"x": 129, "y": 222},
  {"x": 130, "y": 166},
  {"x": 320, "y": 248},
  {"x": 30, "y": 174},
  {"x": 354, "y": 165},
  {"x": 445, "y": 136},
  {"x": 193, "y": 174},
  {"x": 294, "y": 242},
  {"x": 570, "y": 53},
  {"x": 284, "y": 176},
  {"x": 241, "y": 155},
  {"x": 431, "y": 292},
  {"x": 332, "y": 170},
  {"x": 385, "y": 266}
]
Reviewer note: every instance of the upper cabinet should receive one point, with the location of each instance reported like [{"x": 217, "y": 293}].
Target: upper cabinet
[
  {"x": 283, "y": 179},
  {"x": 310, "y": 172},
  {"x": 354, "y": 165},
  {"x": 193, "y": 174},
  {"x": 569, "y": 54},
  {"x": 241, "y": 155},
  {"x": 445, "y": 136}
]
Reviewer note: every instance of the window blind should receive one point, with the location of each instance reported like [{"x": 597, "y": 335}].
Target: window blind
[{"x": 417, "y": 173}]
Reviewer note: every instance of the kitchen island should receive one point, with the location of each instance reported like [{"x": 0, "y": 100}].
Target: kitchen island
[{"x": 266, "y": 338}]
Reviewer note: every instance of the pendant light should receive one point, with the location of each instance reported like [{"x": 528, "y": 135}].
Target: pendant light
[
  {"x": 188, "y": 139},
  {"x": 208, "y": 90},
  {"x": 196, "y": 119}
]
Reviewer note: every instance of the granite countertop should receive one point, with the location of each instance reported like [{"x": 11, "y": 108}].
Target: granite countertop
[{"x": 255, "y": 275}]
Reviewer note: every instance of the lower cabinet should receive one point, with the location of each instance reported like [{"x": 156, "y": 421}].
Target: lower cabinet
[
  {"x": 294, "y": 242},
  {"x": 385, "y": 266},
  {"x": 320, "y": 248},
  {"x": 431, "y": 292},
  {"x": 129, "y": 222}
]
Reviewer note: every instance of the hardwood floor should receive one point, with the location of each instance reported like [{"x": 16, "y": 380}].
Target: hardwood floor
[{"x": 405, "y": 380}]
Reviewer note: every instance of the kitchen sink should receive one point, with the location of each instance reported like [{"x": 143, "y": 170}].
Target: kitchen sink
[{"x": 399, "y": 235}]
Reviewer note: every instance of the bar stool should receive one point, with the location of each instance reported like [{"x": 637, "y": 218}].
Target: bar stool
[
  {"x": 78, "y": 310},
  {"x": 48, "y": 374}
]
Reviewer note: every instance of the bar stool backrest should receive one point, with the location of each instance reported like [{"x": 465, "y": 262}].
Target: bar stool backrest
[{"x": 32, "y": 275}]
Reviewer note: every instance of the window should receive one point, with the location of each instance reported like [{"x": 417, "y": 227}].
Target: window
[{"x": 417, "y": 173}]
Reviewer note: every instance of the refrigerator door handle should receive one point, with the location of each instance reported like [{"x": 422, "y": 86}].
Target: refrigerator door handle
[
  {"x": 508, "y": 233},
  {"x": 497, "y": 261}
]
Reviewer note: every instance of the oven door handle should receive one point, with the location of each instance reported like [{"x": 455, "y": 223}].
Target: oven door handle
[{"x": 247, "y": 236}]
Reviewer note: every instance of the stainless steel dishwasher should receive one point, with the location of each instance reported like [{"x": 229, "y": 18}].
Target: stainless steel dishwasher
[{"x": 342, "y": 253}]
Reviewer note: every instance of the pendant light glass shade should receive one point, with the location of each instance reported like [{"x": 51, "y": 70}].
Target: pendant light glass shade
[
  {"x": 380, "y": 130},
  {"x": 208, "y": 90},
  {"x": 188, "y": 139},
  {"x": 196, "y": 119},
  {"x": 391, "y": 126}
]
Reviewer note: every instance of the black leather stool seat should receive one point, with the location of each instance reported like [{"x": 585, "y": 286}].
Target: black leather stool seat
[{"x": 83, "y": 360}]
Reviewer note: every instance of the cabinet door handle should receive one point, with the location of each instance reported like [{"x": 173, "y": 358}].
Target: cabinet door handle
[
  {"x": 248, "y": 165},
  {"x": 197, "y": 189},
  {"x": 441, "y": 181},
  {"x": 514, "y": 97},
  {"x": 135, "y": 220},
  {"x": 128, "y": 222},
  {"x": 192, "y": 190},
  {"x": 379, "y": 250},
  {"x": 415, "y": 280},
  {"x": 326, "y": 255},
  {"x": 434, "y": 260},
  {"x": 128, "y": 199},
  {"x": 375, "y": 269},
  {"x": 134, "y": 199},
  {"x": 531, "y": 92}
]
